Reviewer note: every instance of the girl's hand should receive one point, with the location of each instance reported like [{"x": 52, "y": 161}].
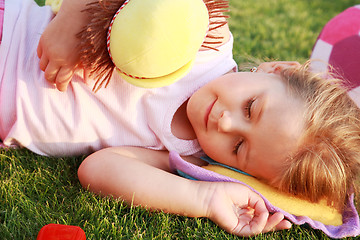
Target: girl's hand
[
  {"x": 58, "y": 54},
  {"x": 57, "y": 48},
  {"x": 240, "y": 211}
]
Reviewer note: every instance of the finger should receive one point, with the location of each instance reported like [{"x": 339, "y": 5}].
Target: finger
[
  {"x": 276, "y": 222},
  {"x": 39, "y": 49},
  {"x": 63, "y": 78},
  {"x": 261, "y": 214},
  {"x": 256, "y": 221},
  {"x": 44, "y": 61},
  {"x": 51, "y": 72},
  {"x": 293, "y": 63},
  {"x": 277, "y": 66},
  {"x": 86, "y": 73},
  {"x": 284, "y": 224},
  {"x": 86, "y": 76}
]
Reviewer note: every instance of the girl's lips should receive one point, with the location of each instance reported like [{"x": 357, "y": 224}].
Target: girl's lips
[{"x": 207, "y": 113}]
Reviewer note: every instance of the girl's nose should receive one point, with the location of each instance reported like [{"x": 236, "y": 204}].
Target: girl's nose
[
  {"x": 231, "y": 123},
  {"x": 225, "y": 123}
]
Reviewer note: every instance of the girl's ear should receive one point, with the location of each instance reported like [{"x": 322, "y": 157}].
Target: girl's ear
[{"x": 276, "y": 67}]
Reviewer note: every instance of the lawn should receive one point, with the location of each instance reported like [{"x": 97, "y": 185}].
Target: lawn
[{"x": 36, "y": 190}]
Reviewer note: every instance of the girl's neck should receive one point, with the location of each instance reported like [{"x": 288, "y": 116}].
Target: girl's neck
[{"x": 181, "y": 126}]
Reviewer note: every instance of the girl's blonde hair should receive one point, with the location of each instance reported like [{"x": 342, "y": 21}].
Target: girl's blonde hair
[{"x": 326, "y": 164}]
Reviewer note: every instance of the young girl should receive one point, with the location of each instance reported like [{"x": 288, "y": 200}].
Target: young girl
[
  {"x": 37, "y": 116},
  {"x": 236, "y": 118}
]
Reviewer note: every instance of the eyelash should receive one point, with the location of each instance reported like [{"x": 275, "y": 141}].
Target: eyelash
[
  {"x": 237, "y": 146},
  {"x": 248, "y": 115},
  {"x": 248, "y": 108}
]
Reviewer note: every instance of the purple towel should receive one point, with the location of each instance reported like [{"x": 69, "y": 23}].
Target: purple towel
[{"x": 349, "y": 228}]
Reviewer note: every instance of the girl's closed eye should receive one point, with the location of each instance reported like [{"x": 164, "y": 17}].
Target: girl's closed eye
[
  {"x": 248, "y": 106},
  {"x": 238, "y": 145},
  {"x": 247, "y": 110}
]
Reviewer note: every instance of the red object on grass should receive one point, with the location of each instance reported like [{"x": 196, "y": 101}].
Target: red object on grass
[{"x": 61, "y": 232}]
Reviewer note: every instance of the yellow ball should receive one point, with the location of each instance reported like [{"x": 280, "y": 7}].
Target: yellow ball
[{"x": 157, "y": 39}]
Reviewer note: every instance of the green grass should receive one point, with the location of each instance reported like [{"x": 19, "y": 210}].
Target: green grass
[
  {"x": 35, "y": 190},
  {"x": 280, "y": 29}
]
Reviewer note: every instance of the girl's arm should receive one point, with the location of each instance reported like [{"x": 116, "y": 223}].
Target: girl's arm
[
  {"x": 57, "y": 48},
  {"x": 142, "y": 177}
]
